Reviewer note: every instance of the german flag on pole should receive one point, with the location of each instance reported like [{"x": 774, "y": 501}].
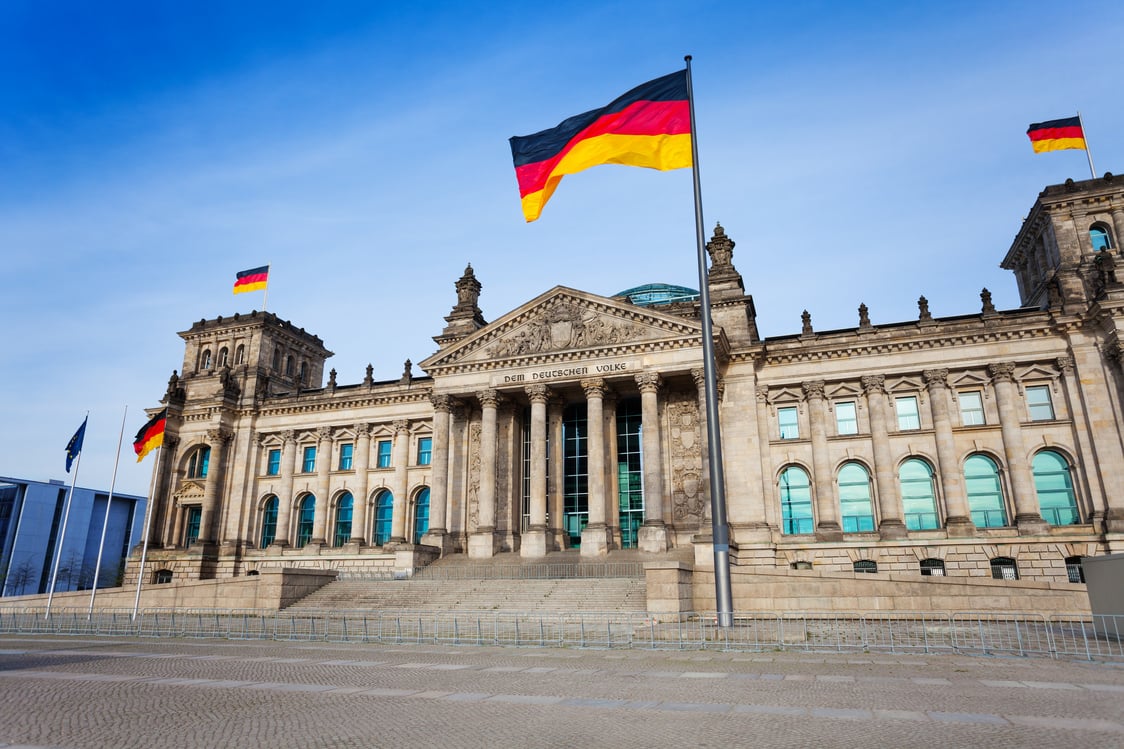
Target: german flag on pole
[
  {"x": 650, "y": 126},
  {"x": 1057, "y": 135},
  {"x": 254, "y": 279},
  {"x": 151, "y": 435}
]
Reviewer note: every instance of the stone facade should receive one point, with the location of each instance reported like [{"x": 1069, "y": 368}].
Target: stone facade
[{"x": 982, "y": 445}]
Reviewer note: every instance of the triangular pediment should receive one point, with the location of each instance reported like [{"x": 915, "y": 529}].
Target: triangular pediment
[
  {"x": 189, "y": 493},
  {"x": 564, "y": 322}
]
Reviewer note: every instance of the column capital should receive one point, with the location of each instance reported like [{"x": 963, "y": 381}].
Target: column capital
[
  {"x": 401, "y": 426},
  {"x": 1065, "y": 364},
  {"x": 763, "y": 394},
  {"x": 363, "y": 429},
  {"x": 217, "y": 436},
  {"x": 288, "y": 436},
  {"x": 874, "y": 384},
  {"x": 489, "y": 398},
  {"x": 323, "y": 434},
  {"x": 538, "y": 393},
  {"x": 813, "y": 389},
  {"x": 936, "y": 378},
  {"x": 649, "y": 382},
  {"x": 171, "y": 441},
  {"x": 1002, "y": 371},
  {"x": 441, "y": 402},
  {"x": 594, "y": 387}
]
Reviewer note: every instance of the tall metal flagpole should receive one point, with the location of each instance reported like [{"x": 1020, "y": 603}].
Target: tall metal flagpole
[
  {"x": 148, "y": 512},
  {"x": 265, "y": 291},
  {"x": 1088, "y": 153},
  {"x": 62, "y": 531},
  {"x": 720, "y": 531},
  {"x": 105, "y": 522}
]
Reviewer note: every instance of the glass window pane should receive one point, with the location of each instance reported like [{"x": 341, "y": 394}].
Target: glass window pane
[
  {"x": 985, "y": 494},
  {"x": 908, "y": 417},
  {"x": 384, "y": 510},
  {"x": 425, "y": 451},
  {"x": 1038, "y": 403},
  {"x": 787, "y": 418},
  {"x": 919, "y": 501},
  {"x": 421, "y": 515},
  {"x": 1099, "y": 237},
  {"x": 273, "y": 466},
  {"x": 846, "y": 418},
  {"x": 346, "y": 453},
  {"x": 1054, "y": 486},
  {"x": 796, "y": 501},
  {"x": 855, "y": 506},
  {"x": 308, "y": 465},
  {"x": 384, "y": 454},
  {"x": 971, "y": 409}
]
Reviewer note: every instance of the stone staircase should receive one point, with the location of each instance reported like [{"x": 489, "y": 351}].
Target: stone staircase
[{"x": 561, "y": 583}]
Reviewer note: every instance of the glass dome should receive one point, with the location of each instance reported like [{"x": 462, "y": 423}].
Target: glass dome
[{"x": 658, "y": 293}]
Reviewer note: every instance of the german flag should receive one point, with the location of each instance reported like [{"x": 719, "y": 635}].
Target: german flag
[
  {"x": 151, "y": 435},
  {"x": 1057, "y": 135},
  {"x": 650, "y": 126},
  {"x": 254, "y": 279}
]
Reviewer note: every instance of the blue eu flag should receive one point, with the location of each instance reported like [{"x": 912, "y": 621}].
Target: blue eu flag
[{"x": 75, "y": 445}]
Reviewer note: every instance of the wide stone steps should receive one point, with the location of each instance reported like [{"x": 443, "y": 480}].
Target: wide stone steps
[{"x": 558, "y": 595}]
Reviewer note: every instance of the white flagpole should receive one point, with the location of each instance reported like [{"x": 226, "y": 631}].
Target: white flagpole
[
  {"x": 105, "y": 522},
  {"x": 1088, "y": 151},
  {"x": 148, "y": 512},
  {"x": 62, "y": 532}
]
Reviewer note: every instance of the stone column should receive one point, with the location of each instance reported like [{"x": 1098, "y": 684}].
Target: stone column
[
  {"x": 827, "y": 515},
  {"x": 652, "y": 536},
  {"x": 217, "y": 441},
  {"x": 554, "y": 479},
  {"x": 768, "y": 508},
  {"x": 399, "y": 457},
  {"x": 958, "y": 520},
  {"x": 1118, "y": 227},
  {"x": 889, "y": 505},
  {"x": 323, "y": 467},
  {"x": 437, "y": 534},
  {"x": 534, "y": 541},
  {"x": 285, "y": 496},
  {"x": 1095, "y": 511},
  {"x": 595, "y": 536},
  {"x": 1027, "y": 518},
  {"x": 164, "y": 524},
  {"x": 482, "y": 543},
  {"x": 699, "y": 376},
  {"x": 361, "y": 462}
]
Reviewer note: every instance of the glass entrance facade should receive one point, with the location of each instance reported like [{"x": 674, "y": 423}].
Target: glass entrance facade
[{"x": 630, "y": 470}]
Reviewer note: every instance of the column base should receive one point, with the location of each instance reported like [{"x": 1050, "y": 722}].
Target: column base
[
  {"x": 482, "y": 544},
  {"x": 1114, "y": 520},
  {"x": 829, "y": 532},
  {"x": 535, "y": 543},
  {"x": 652, "y": 538},
  {"x": 438, "y": 538},
  {"x": 750, "y": 534},
  {"x": 960, "y": 527},
  {"x": 892, "y": 530},
  {"x": 595, "y": 540},
  {"x": 1031, "y": 524}
]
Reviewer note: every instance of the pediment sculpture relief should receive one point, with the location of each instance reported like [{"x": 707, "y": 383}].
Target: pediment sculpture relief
[{"x": 566, "y": 325}]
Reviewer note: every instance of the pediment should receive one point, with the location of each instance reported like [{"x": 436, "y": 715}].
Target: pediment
[
  {"x": 1036, "y": 372},
  {"x": 189, "y": 492},
  {"x": 564, "y": 321}
]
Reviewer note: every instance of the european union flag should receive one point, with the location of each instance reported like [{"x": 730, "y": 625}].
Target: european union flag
[{"x": 75, "y": 445}]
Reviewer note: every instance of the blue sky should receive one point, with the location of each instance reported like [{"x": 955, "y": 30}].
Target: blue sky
[{"x": 856, "y": 152}]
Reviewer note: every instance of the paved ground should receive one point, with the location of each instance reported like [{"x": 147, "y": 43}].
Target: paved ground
[{"x": 120, "y": 693}]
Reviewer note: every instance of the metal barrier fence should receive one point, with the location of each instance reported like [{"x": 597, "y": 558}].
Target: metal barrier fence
[{"x": 1087, "y": 638}]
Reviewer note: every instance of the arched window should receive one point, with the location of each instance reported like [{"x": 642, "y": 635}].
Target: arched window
[
  {"x": 855, "y": 507},
  {"x": 224, "y": 357},
  {"x": 277, "y": 360},
  {"x": 932, "y": 567},
  {"x": 343, "y": 520},
  {"x": 919, "y": 496},
  {"x": 1101, "y": 239},
  {"x": 198, "y": 462},
  {"x": 1073, "y": 570},
  {"x": 1004, "y": 568},
  {"x": 985, "y": 493},
  {"x": 206, "y": 360},
  {"x": 269, "y": 521},
  {"x": 384, "y": 511},
  {"x": 801, "y": 565},
  {"x": 865, "y": 565},
  {"x": 796, "y": 501},
  {"x": 306, "y": 513},
  {"x": 240, "y": 354},
  {"x": 162, "y": 577},
  {"x": 1055, "y": 489},
  {"x": 421, "y": 515}
]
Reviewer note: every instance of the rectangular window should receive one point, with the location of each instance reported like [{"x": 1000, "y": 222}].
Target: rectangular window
[
  {"x": 787, "y": 419},
  {"x": 846, "y": 418},
  {"x": 425, "y": 451},
  {"x": 191, "y": 525},
  {"x": 971, "y": 409},
  {"x": 908, "y": 417},
  {"x": 308, "y": 465},
  {"x": 1038, "y": 403},
  {"x": 273, "y": 463},
  {"x": 346, "y": 451},
  {"x": 383, "y": 454}
]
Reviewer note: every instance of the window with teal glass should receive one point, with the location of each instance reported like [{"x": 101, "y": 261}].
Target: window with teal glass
[
  {"x": 1100, "y": 238},
  {"x": 855, "y": 507},
  {"x": 384, "y": 513},
  {"x": 197, "y": 464},
  {"x": 630, "y": 470},
  {"x": 269, "y": 522},
  {"x": 421, "y": 514},
  {"x": 306, "y": 513},
  {"x": 788, "y": 420},
  {"x": 846, "y": 418},
  {"x": 191, "y": 525},
  {"x": 343, "y": 520},
  {"x": 308, "y": 465},
  {"x": 1038, "y": 403},
  {"x": 273, "y": 462},
  {"x": 919, "y": 496},
  {"x": 383, "y": 453},
  {"x": 1055, "y": 489},
  {"x": 985, "y": 493},
  {"x": 425, "y": 451},
  {"x": 796, "y": 501},
  {"x": 971, "y": 408},
  {"x": 346, "y": 451},
  {"x": 908, "y": 416}
]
